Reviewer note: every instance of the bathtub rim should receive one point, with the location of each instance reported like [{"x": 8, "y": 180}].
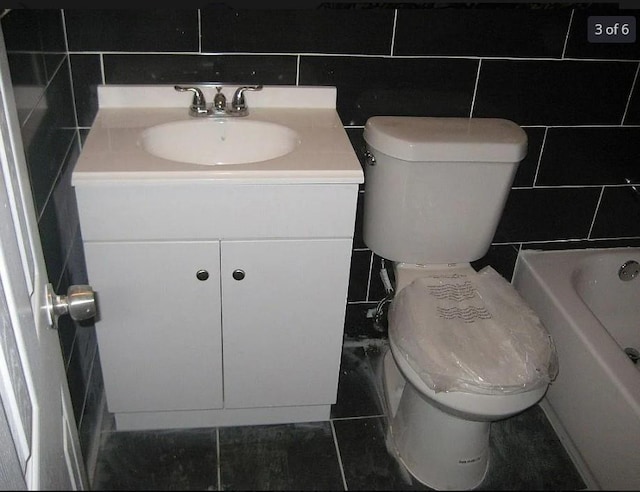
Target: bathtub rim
[{"x": 553, "y": 270}]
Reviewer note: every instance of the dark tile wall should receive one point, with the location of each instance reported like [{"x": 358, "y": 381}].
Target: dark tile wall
[
  {"x": 579, "y": 102},
  {"x": 530, "y": 65},
  {"x": 41, "y": 78},
  {"x": 557, "y": 92},
  {"x": 484, "y": 32}
]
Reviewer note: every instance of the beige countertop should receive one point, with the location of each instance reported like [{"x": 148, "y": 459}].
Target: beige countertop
[{"x": 113, "y": 151}]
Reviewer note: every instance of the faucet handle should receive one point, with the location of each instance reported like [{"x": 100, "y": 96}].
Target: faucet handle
[
  {"x": 198, "y": 103},
  {"x": 238, "y": 103}
]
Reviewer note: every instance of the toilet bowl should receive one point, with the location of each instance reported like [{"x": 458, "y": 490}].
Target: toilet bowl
[
  {"x": 438, "y": 445},
  {"x": 442, "y": 437},
  {"x": 464, "y": 348}
]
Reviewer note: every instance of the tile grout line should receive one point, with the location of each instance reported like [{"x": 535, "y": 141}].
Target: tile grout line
[
  {"x": 542, "y": 148},
  {"x": 595, "y": 213},
  {"x": 347, "y": 55},
  {"x": 393, "y": 32},
  {"x": 566, "y": 39},
  {"x": 218, "y": 458},
  {"x": 630, "y": 98},
  {"x": 199, "y": 31},
  {"x": 369, "y": 277},
  {"x": 475, "y": 89},
  {"x": 335, "y": 442}
]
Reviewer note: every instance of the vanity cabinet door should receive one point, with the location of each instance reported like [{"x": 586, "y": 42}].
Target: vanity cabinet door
[
  {"x": 159, "y": 323},
  {"x": 283, "y": 306}
]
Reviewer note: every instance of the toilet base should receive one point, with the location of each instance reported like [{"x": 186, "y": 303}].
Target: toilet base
[{"x": 441, "y": 451}]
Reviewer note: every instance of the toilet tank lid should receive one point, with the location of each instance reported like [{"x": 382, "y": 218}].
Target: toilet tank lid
[{"x": 416, "y": 138}]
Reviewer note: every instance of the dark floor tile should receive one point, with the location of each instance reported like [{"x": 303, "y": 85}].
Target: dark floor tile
[
  {"x": 357, "y": 393},
  {"x": 279, "y": 457},
  {"x": 526, "y": 454},
  {"x": 366, "y": 462},
  {"x": 375, "y": 354},
  {"x": 158, "y": 460}
]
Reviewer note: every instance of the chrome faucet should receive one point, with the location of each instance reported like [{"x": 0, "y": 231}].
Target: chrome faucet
[
  {"x": 198, "y": 104},
  {"x": 219, "y": 107},
  {"x": 219, "y": 101}
]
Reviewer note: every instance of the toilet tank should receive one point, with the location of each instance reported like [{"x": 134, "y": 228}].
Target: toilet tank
[{"x": 436, "y": 187}]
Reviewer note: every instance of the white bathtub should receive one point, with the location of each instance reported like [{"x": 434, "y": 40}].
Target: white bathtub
[{"x": 592, "y": 315}]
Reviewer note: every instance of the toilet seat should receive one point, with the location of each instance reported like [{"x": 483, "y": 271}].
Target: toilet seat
[{"x": 471, "y": 332}]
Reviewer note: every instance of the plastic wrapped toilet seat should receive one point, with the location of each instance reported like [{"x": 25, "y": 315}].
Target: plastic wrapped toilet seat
[{"x": 471, "y": 333}]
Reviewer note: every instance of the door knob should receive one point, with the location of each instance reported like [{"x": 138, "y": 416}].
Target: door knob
[
  {"x": 238, "y": 274},
  {"x": 79, "y": 303}
]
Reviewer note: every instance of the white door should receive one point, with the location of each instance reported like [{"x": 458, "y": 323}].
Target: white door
[{"x": 38, "y": 434}]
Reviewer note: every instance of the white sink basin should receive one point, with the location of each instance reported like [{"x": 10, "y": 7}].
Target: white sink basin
[{"x": 219, "y": 141}]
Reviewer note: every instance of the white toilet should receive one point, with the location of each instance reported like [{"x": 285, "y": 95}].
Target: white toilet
[{"x": 465, "y": 349}]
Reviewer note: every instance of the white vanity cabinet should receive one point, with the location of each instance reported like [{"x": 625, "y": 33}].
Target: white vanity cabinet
[
  {"x": 221, "y": 279},
  {"x": 220, "y": 317}
]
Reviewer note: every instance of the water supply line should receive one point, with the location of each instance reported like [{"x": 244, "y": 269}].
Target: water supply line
[{"x": 378, "y": 316}]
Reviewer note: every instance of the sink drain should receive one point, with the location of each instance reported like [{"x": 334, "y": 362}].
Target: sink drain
[{"x": 633, "y": 354}]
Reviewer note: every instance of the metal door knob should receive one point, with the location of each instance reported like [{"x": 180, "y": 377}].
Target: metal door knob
[
  {"x": 79, "y": 303},
  {"x": 238, "y": 274}
]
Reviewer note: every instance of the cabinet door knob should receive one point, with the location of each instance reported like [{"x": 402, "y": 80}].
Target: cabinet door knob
[
  {"x": 202, "y": 275},
  {"x": 238, "y": 274}
]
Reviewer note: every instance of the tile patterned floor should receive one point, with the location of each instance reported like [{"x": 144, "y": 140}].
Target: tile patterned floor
[{"x": 346, "y": 453}]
